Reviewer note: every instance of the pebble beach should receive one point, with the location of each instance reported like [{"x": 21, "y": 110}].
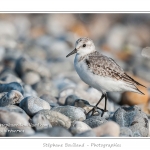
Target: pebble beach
[{"x": 41, "y": 95}]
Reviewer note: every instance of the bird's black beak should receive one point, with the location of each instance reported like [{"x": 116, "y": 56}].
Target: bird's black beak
[{"x": 73, "y": 52}]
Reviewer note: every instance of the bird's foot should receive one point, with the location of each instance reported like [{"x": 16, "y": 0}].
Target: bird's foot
[
  {"x": 93, "y": 110},
  {"x": 103, "y": 112}
]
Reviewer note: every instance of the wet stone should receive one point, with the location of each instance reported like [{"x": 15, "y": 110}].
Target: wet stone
[
  {"x": 56, "y": 132},
  {"x": 39, "y": 122},
  {"x": 73, "y": 113},
  {"x": 125, "y": 132},
  {"x": 10, "y": 98},
  {"x": 133, "y": 118},
  {"x": 32, "y": 105},
  {"x": 95, "y": 121},
  {"x": 78, "y": 127},
  {"x": 11, "y": 86},
  {"x": 56, "y": 119}
]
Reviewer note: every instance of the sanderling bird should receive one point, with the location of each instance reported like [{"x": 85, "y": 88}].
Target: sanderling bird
[{"x": 100, "y": 72}]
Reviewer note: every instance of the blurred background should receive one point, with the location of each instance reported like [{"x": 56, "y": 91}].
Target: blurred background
[{"x": 33, "y": 49}]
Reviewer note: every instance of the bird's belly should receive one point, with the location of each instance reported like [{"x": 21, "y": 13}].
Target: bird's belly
[{"x": 104, "y": 84}]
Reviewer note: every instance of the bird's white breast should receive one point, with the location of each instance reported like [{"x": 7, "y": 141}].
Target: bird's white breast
[{"x": 103, "y": 84}]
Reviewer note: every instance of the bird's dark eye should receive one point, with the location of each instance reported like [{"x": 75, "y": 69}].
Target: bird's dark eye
[{"x": 84, "y": 45}]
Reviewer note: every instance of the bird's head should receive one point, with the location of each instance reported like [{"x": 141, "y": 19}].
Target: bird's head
[{"x": 83, "y": 47}]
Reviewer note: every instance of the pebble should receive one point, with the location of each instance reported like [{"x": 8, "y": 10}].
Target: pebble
[
  {"x": 2, "y": 53},
  {"x": 8, "y": 77},
  {"x": 31, "y": 78},
  {"x": 11, "y": 86},
  {"x": 78, "y": 127},
  {"x": 37, "y": 134},
  {"x": 57, "y": 69},
  {"x": 72, "y": 112},
  {"x": 88, "y": 133},
  {"x": 95, "y": 121},
  {"x": 131, "y": 98},
  {"x": 133, "y": 118},
  {"x": 125, "y": 132},
  {"x": 15, "y": 122},
  {"x": 25, "y": 63},
  {"x": 82, "y": 94},
  {"x": 108, "y": 128},
  {"x": 35, "y": 67},
  {"x": 50, "y": 99},
  {"x": 32, "y": 105},
  {"x": 56, "y": 119},
  {"x": 142, "y": 71},
  {"x": 45, "y": 86},
  {"x": 63, "y": 83},
  {"x": 114, "y": 96},
  {"x": 3, "y": 130},
  {"x": 10, "y": 98},
  {"x": 17, "y": 109},
  {"x": 39, "y": 122},
  {"x": 70, "y": 100},
  {"x": 56, "y": 132},
  {"x": 28, "y": 91}
]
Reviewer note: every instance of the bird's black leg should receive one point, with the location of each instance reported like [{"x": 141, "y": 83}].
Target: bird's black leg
[
  {"x": 105, "y": 106},
  {"x": 94, "y": 108}
]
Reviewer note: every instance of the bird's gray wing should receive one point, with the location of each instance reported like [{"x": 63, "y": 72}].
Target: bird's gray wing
[{"x": 104, "y": 66}]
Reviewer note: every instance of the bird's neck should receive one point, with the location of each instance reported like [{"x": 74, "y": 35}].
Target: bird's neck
[{"x": 80, "y": 57}]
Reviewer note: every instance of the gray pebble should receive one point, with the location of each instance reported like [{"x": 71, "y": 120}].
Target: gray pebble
[
  {"x": 70, "y": 100},
  {"x": 114, "y": 96},
  {"x": 78, "y": 127},
  {"x": 45, "y": 86},
  {"x": 8, "y": 77},
  {"x": 142, "y": 71},
  {"x": 31, "y": 78},
  {"x": 32, "y": 105},
  {"x": 28, "y": 91},
  {"x": 2, "y": 53},
  {"x": 56, "y": 132},
  {"x": 125, "y": 132},
  {"x": 37, "y": 134},
  {"x": 109, "y": 128},
  {"x": 95, "y": 121},
  {"x": 10, "y": 98},
  {"x": 14, "y": 108},
  {"x": 39, "y": 121},
  {"x": 72, "y": 112},
  {"x": 25, "y": 63},
  {"x": 56, "y": 118},
  {"x": 88, "y": 133},
  {"x": 16, "y": 123},
  {"x": 64, "y": 83},
  {"x": 50, "y": 99},
  {"x": 133, "y": 118},
  {"x": 11, "y": 86},
  {"x": 3, "y": 130}
]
